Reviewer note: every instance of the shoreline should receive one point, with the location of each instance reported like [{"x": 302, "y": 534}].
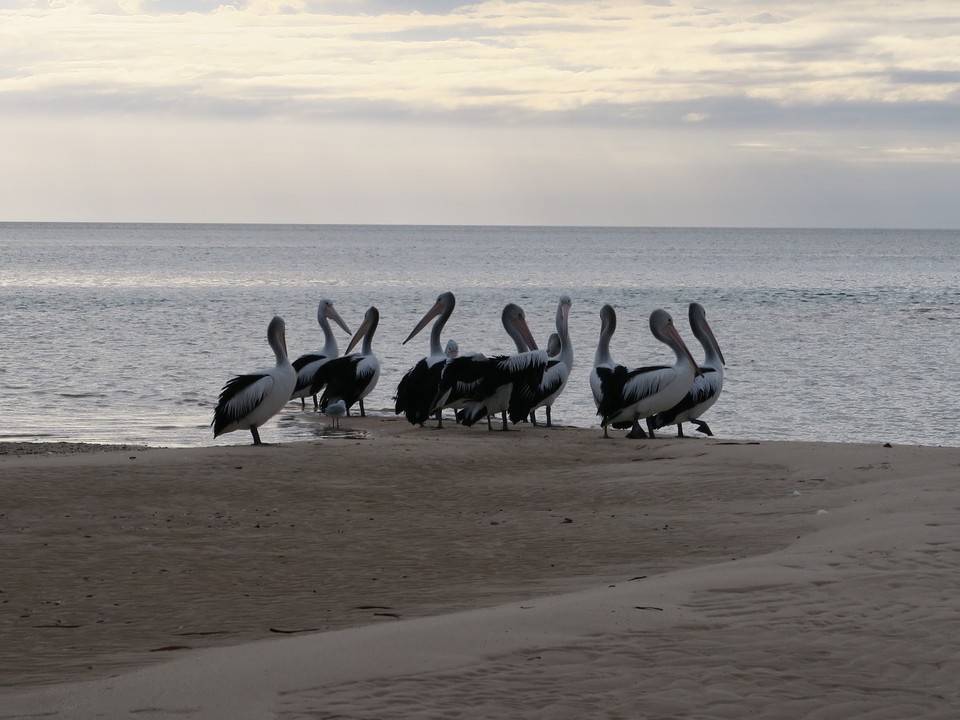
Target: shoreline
[{"x": 120, "y": 562}]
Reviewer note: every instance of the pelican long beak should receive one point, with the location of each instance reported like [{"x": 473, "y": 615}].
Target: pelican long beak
[
  {"x": 672, "y": 332},
  {"x": 524, "y": 330},
  {"x": 565, "y": 316},
  {"x": 431, "y": 314},
  {"x": 363, "y": 329},
  {"x": 332, "y": 314},
  {"x": 716, "y": 345}
]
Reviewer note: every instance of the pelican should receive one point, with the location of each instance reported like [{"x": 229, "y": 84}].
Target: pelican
[
  {"x": 464, "y": 376},
  {"x": 526, "y": 398},
  {"x": 706, "y": 388},
  {"x": 627, "y": 396},
  {"x": 351, "y": 378},
  {"x": 248, "y": 401},
  {"x": 309, "y": 379},
  {"x": 553, "y": 351},
  {"x": 602, "y": 358},
  {"x": 452, "y": 350},
  {"x": 418, "y": 387}
]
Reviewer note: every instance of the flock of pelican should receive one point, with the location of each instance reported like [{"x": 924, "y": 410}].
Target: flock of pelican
[{"x": 476, "y": 386}]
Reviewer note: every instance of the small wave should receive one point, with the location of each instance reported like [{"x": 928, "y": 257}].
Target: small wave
[
  {"x": 80, "y": 396},
  {"x": 195, "y": 402},
  {"x": 931, "y": 313}
]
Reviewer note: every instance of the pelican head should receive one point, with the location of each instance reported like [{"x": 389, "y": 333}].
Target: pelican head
[
  {"x": 515, "y": 323},
  {"x": 371, "y": 319},
  {"x": 277, "y": 337},
  {"x": 443, "y": 306},
  {"x": 326, "y": 311},
  {"x": 661, "y": 325},
  {"x": 608, "y": 319},
  {"x": 701, "y": 329},
  {"x": 452, "y": 350}
]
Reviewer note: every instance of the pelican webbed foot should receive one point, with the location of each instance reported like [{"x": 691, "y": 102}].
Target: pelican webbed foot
[{"x": 702, "y": 427}]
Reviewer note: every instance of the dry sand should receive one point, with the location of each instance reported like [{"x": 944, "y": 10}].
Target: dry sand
[{"x": 462, "y": 573}]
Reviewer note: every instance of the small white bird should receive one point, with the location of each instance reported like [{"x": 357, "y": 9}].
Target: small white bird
[
  {"x": 335, "y": 410},
  {"x": 248, "y": 401}
]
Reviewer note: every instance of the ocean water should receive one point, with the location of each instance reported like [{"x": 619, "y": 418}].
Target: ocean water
[{"x": 126, "y": 332}]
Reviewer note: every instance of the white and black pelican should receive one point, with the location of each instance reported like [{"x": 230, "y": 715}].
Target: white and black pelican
[
  {"x": 602, "y": 357},
  {"x": 553, "y": 352},
  {"x": 351, "y": 378},
  {"x": 490, "y": 380},
  {"x": 706, "y": 388},
  {"x": 418, "y": 387},
  {"x": 248, "y": 401},
  {"x": 526, "y": 399},
  {"x": 628, "y": 396},
  {"x": 309, "y": 379}
]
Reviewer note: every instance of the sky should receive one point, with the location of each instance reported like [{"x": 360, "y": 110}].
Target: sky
[{"x": 742, "y": 113}]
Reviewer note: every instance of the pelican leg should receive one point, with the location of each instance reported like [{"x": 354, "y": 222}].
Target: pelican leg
[
  {"x": 256, "y": 436},
  {"x": 363, "y": 413},
  {"x": 680, "y": 430},
  {"x": 316, "y": 403},
  {"x": 702, "y": 427},
  {"x": 549, "y": 423},
  {"x": 303, "y": 404},
  {"x": 636, "y": 432},
  {"x": 650, "y": 427},
  {"x": 439, "y": 419},
  {"x": 505, "y": 426},
  {"x": 533, "y": 417},
  {"x": 605, "y": 432}
]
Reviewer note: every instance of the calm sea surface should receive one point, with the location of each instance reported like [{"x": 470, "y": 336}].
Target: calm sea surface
[{"x": 126, "y": 332}]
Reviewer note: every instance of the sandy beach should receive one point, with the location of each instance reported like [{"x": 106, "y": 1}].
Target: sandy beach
[{"x": 400, "y": 572}]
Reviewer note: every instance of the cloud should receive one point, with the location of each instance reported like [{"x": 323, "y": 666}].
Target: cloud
[
  {"x": 854, "y": 83},
  {"x": 768, "y": 18}
]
